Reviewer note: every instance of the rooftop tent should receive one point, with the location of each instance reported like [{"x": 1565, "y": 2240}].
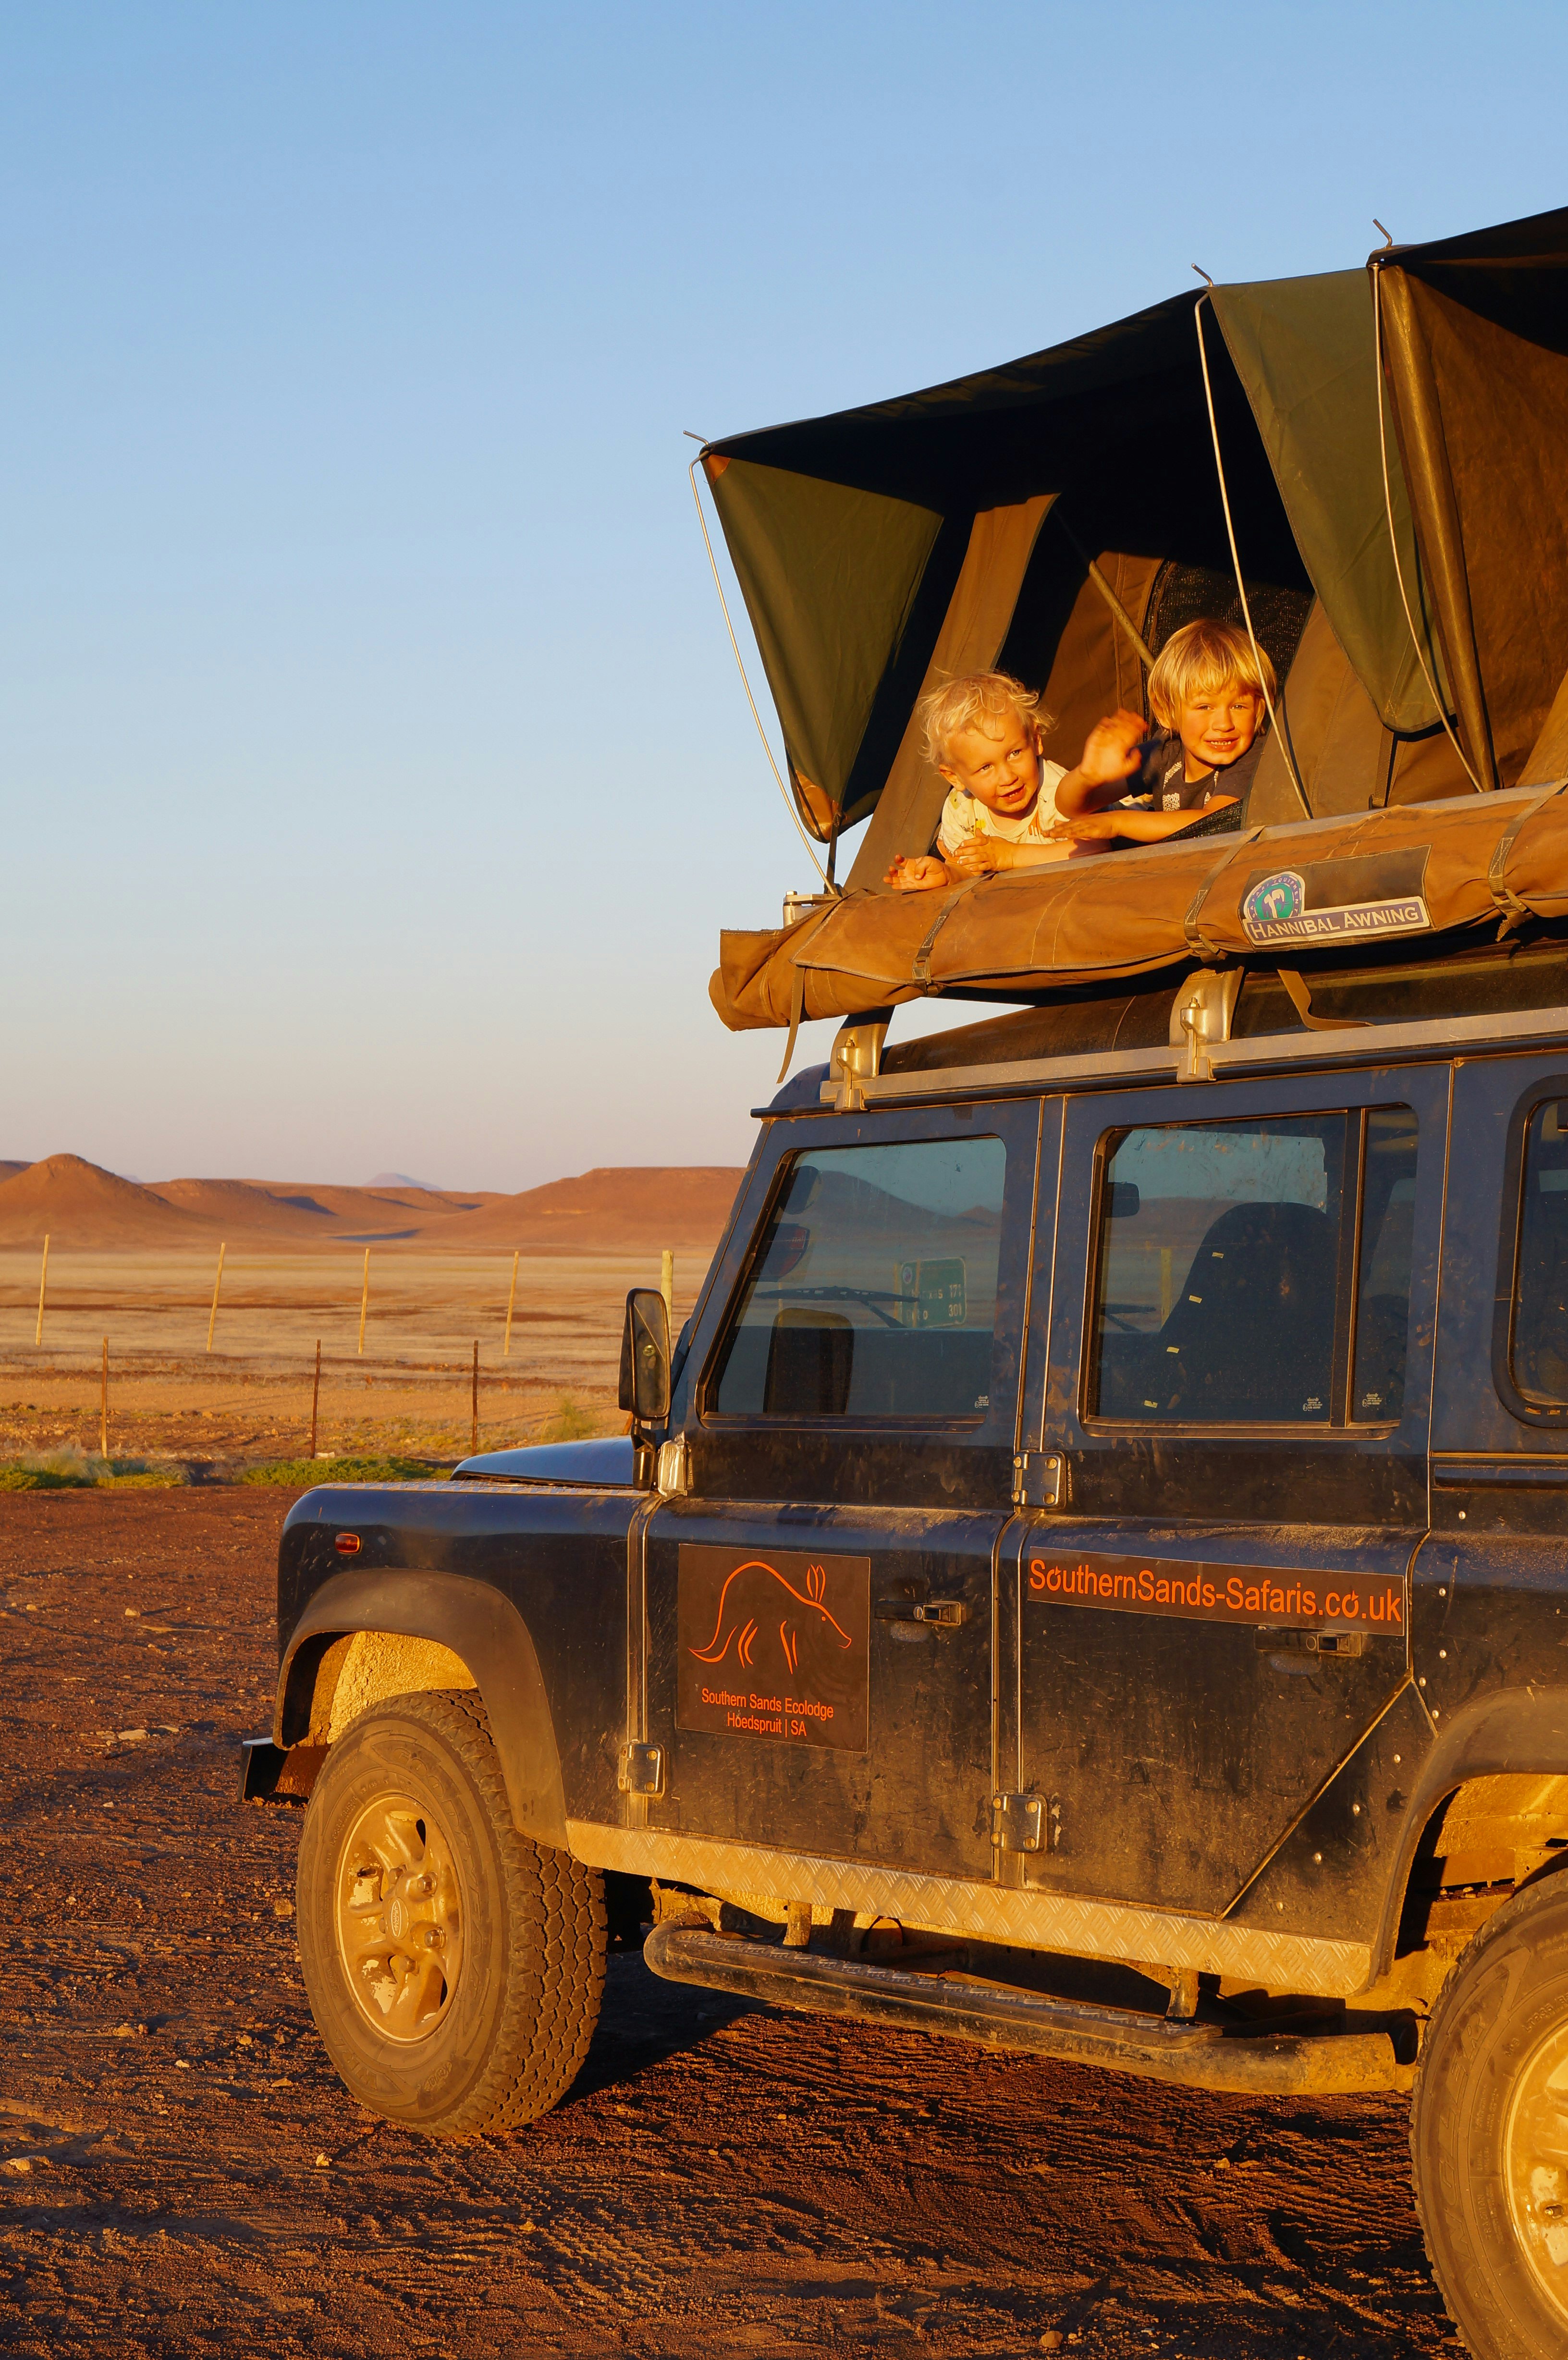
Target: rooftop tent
[
  {"x": 1475, "y": 337},
  {"x": 953, "y": 528}
]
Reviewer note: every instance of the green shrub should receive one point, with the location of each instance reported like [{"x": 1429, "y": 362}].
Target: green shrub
[
  {"x": 570, "y": 1422},
  {"x": 71, "y": 1468}
]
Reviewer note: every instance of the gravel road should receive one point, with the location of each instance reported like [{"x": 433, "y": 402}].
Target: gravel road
[{"x": 181, "y": 2173}]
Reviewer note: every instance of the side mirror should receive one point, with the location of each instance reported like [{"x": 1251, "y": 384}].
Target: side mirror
[{"x": 645, "y": 1357}]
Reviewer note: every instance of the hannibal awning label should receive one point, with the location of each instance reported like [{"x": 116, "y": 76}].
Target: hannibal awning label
[
  {"x": 1270, "y": 1595},
  {"x": 774, "y": 1644},
  {"x": 1338, "y": 900}
]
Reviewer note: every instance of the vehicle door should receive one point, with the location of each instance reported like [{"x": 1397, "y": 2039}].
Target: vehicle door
[
  {"x": 819, "y": 1609},
  {"x": 1489, "y": 1594},
  {"x": 1238, "y": 1390}
]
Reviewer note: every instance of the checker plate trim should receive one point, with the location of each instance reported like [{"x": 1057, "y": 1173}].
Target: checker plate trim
[{"x": 942, "y": 1904}]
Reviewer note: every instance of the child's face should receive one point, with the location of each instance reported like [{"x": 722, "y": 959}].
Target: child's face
[
  {"x": 1218, "y": 724},
  {"x": 1000, "y": 766}
]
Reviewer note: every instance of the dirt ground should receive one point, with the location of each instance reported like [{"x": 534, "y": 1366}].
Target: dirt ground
[
  {"x": 181, "y": 2173},
  {"x": 249, "y": 1398}
]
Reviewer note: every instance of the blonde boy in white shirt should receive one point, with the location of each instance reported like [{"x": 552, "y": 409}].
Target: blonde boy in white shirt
[{"x": 983, "y": 734}]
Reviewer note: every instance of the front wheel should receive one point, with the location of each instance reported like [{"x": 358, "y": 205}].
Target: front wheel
[
  {"x": 453, "y": 1967},
  {"x": 1490, "y": 2132}
]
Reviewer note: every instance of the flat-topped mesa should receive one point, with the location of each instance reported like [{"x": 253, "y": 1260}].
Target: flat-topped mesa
[{"x": 1430, "y": 882}]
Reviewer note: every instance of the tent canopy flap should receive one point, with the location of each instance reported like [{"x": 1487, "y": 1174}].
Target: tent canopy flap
[{"x": 1476, "y": 353}]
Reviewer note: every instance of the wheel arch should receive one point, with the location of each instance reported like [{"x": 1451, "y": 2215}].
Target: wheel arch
[
  {"x": 363, "y": 1637},
  {"x": 1493, "y": 1776}
]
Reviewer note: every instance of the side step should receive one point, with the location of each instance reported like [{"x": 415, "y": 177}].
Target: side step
[{"x": 1201, "y": 2055}]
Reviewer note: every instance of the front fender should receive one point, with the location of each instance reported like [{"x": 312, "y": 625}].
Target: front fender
[{"x": 478, "y": 1624}]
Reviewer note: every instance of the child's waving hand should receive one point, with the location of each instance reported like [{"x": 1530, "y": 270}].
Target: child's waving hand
[{"x": 1112, "y": 748}]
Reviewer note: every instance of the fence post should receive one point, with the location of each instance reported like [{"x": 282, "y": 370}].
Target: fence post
[
  {"x": 43, "y": 1282},
  {"x": 364, "y": 1299},
  {"x": 104, "y": 1408},
  {"x": 474, "y": 1445},
  {"x": 213, "y": 1314},
  {"x": 667, "y": 1287},
  {"x": 511, "y": 1299},
  {"x": 315, "y": 1396}
]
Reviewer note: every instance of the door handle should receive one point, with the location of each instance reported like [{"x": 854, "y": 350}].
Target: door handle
[{"x": 946, "y": 1613}]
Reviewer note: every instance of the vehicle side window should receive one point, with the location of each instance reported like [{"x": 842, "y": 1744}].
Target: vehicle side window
[
  {"x": 874, "y": 1293},
  {"x": 1539, "y": 1353},
  {"x": 1223, "y": 1279}
]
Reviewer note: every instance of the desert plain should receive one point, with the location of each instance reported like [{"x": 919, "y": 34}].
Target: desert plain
[{"x": 136, "y": 1268}]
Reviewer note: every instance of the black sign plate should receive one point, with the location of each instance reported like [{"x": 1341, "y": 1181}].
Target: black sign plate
[{"x": 774, "y": 1644}]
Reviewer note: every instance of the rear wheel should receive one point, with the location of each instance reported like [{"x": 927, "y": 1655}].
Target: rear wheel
[
  {"x": 454, "y": 1969},
  {"x": 1490, "y": 2132}
]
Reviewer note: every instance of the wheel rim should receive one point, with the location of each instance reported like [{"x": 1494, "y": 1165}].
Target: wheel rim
[
  {"x": 399, "y": 1918},
  {"x": 1536, "y": 2162}
]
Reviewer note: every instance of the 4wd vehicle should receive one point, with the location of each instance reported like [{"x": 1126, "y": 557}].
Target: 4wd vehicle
[{"x": 1090, "y": 1576}]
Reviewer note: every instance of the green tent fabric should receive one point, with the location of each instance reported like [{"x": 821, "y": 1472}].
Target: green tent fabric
[
  {"x": 830, "y": 574},
  {"x": 1304, "y": 349},
  {"x": 1476, "y": 354}
]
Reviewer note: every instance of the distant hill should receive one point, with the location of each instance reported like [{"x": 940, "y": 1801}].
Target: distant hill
[
  {"x": 632, "y": 1206},
  {"x": 637, "y": 1207},
  {"x": 78, "y": 1204},
  {"x": 402, "y": 1180}
]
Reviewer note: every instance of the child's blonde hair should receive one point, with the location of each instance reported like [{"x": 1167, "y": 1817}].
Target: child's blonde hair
[
  {"x": 979, "y": 699},
  {"x": 1198, "y": 660}
]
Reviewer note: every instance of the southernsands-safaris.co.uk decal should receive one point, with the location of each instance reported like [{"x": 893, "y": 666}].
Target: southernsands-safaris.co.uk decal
[
  {"x": 774, "y": 1644},
  {"x": 1281, "y": 1596}
]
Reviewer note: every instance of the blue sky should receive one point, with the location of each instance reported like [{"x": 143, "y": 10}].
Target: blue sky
[{"x": 375, "y": 775}]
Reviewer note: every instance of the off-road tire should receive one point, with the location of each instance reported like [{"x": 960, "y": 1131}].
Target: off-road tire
[
  {"x": 1492, "y": 2196},
  {"x": 505, "y": 2042}
]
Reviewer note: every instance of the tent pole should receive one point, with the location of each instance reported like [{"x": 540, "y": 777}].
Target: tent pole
[{"x": 1104, "y": 589}]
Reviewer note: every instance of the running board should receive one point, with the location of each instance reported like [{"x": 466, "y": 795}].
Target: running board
[{"x": 1163, "y": 2048}]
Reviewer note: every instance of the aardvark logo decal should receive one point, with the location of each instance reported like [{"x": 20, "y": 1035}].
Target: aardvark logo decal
[{"x": 774, "y": 1645}]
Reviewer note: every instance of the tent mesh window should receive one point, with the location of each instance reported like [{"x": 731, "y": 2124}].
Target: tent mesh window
[{"x": 1188, "y": 594}]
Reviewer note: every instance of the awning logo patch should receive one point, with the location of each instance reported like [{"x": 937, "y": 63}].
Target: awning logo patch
[{"x": 1338, "y": 900}]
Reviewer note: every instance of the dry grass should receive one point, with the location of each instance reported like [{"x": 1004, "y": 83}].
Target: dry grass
[{"x": 173, "y": 1405}]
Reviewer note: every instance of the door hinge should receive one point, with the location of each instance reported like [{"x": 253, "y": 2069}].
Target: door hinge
[
  {"x": 1037, "y": 1479},
  {"x": 1018, "y": 1822},
  {"x": 642, "y": 1770},
  {"x": 1025, "y": 1823}
]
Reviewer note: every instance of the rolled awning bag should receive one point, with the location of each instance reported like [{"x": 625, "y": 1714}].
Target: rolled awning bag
[{"x": 1325, "y": 885}]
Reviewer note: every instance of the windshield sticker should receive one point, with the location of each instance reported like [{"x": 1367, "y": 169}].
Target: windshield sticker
[
  {"x": 775, "y": 1645},
  {"x": 1339, "y": 901},
  {"x": 1274, "y": 1596}
]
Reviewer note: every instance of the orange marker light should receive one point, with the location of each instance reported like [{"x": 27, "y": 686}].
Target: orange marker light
[{"x": 347, "y": 1545}]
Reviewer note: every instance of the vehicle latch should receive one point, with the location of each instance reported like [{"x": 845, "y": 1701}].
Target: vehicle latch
[
  {"x": 642, "y": 1770},
  {"x": 1037, "y": 1479},
  {"x": 947, "y": 1613},
  {"x": 1310, "y": 1643},
  {"x": 1018, "y": 1822}
]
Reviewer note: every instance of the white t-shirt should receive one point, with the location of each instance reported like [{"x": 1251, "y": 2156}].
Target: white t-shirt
[{"x": 962, "y": 818}]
